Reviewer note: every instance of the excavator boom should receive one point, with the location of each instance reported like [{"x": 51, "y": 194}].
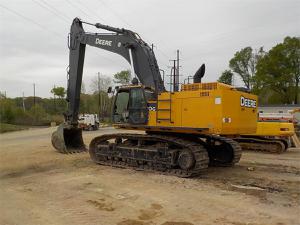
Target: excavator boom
[{"x": 122, "y": 42}]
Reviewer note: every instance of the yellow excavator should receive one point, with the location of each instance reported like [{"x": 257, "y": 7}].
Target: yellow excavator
[
  {"x": 183, "y": 129},
  {"x": 272, "y": 137},
  {"x": 275, "y": 133}
]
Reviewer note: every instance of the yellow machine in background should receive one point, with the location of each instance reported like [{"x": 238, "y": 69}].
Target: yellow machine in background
[
  {"x": 275, "y": 133},
  {"x": 273, "y": 137},
  {"x": 275, "y": 129}
]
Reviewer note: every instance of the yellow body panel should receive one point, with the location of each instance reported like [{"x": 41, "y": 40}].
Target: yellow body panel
[
  {"x": 210, "y": 108},
  {"x": 274, "y": 129}
]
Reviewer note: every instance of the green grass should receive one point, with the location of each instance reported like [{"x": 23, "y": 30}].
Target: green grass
[{"x": 5, "y": 127}]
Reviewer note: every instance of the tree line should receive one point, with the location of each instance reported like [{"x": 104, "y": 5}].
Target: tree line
[
  {"x": 41, "y": 111},
  {"x": 273, "y": 75}
]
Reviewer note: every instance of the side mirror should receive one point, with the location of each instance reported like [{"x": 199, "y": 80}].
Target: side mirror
[{"x": 109, "y": 90}]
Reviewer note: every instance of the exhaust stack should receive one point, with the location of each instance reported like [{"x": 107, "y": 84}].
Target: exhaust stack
[{"x": 199, "y": 74}]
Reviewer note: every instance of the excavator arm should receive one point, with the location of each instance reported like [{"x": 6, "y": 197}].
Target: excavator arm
[
  {"x": 122, "y": 42},
  {"x": 126, "y": 43}
]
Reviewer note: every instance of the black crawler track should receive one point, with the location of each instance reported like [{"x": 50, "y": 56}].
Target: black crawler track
[
  {"x": 262, "y": 145},
  {"x": 184, "y": 156},
  {"x": 283, "y": 141},
  {"x": 162, "y": 153}
]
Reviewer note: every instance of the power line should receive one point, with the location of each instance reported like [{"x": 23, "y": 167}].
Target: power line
[
  {"x": 76, "y": 7},
  {"x": 164, "y": 54},
  {"x": 52, "y": 7},
  {"x": 92, "y": 11},
  {"x": 44, "y": 28},
  {"x": 125, "y": 22},
  {"x": 52, "y": 11},
  {"x": 116, "y": 14},
  {"x": 30, "y": 20},
  {"x": 100, "y": 18},
  {"x": 108, "y": 59}
]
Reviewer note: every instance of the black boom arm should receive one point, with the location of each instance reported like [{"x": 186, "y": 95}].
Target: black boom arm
[{"x": 123, "y": 42}]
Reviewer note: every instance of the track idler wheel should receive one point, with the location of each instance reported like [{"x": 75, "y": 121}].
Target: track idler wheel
[{"x": 68, "y": 139}]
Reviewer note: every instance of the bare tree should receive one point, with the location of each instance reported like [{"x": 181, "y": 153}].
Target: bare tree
[{"x": 101, "y": 84}]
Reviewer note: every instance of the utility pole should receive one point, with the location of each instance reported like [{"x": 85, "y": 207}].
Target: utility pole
[
  {"x": 177, "y": 73},
  {"x": 171, "y": 84},
  {"x": 174, "y": 77},
  {"x": 99, "y": 97},
  {"x": 54, "y": 99},
  {"x": 23, "y": 102},
  {"x": 33, "y": 94}
]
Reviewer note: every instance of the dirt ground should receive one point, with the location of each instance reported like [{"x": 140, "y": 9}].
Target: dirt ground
[{"x": 41, "y": 186}]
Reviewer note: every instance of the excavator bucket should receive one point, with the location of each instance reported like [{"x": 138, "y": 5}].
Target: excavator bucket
[{"x": 68, "y": 139}]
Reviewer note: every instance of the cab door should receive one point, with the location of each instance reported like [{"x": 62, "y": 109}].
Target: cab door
[{"x": 137, "y": 107}]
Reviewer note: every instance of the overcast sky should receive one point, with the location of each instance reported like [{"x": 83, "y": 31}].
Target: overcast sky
[{"x": 33, "y": 33}]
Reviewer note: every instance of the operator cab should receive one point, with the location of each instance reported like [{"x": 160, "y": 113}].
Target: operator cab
[{"x": 130, "y": 105}]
